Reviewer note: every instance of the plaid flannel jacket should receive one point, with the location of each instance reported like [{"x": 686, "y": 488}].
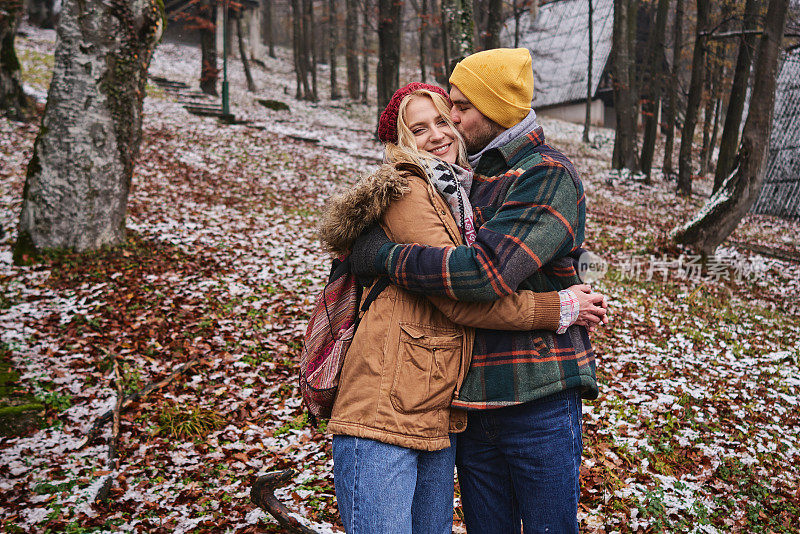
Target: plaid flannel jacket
[{"x": 530, "y": 206}]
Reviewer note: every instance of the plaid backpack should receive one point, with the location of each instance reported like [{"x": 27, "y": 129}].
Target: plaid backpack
[{"x": 330, "y": 331}]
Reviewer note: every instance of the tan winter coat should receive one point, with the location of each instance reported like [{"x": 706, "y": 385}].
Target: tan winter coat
[{"x": 410, "y": 353}]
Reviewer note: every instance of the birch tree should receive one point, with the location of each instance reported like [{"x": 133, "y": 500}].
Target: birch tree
[
  {"x": 76, "y": 188},
  {"x": 457, "y": 17},
  {"x": 238, "y": 14}
]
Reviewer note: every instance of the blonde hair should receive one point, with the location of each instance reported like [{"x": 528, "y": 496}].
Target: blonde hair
[{"x": 405, "y": 150}]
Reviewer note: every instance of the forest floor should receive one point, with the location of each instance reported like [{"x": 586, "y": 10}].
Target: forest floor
[{"x": 696, "y": 428}]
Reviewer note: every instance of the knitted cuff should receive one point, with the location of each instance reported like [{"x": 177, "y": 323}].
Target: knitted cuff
[
  {"x": 382, "y": 257},
  {"x": 546, "y": 311},
  {"x": 570, "y": 308}
]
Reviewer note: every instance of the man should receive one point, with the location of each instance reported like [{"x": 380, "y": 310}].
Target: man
[{"x": 519, "y": 458}]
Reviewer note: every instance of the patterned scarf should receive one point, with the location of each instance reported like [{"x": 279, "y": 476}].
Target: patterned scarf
[{"x": 454, "y": 183}]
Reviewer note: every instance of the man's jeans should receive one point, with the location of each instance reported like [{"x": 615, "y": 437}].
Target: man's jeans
[
  {"x": 382, "y": 488},
  {"x": 522, "y": 463}
]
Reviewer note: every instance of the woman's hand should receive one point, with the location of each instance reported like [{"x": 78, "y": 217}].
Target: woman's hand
[{"x": 593, "y": 307}]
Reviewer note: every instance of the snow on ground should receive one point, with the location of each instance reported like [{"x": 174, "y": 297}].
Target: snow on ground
[{"x": 696, "y": 428}]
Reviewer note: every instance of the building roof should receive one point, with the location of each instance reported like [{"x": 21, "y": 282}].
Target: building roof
[
  {"x": 780, "y": 194},
  {"x": 559, "y": 44}
]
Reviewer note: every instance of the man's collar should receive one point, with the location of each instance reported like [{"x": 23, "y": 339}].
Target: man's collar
[{"x": 533, "y": 138}]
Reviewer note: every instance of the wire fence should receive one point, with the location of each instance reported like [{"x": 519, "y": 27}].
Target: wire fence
[{"x": 780, "y": 194}]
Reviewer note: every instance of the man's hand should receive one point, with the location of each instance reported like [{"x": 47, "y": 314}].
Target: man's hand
[
  {"x": 365, "y": 252},
  {"x": 593, "y": 307}
]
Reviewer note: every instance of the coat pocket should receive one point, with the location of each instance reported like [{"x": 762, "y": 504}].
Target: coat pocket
[{"x": 428, "y": 363}]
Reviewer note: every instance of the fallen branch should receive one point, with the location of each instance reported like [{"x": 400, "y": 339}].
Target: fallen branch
[
  {"x": 113, "y": 460},
  {"x": 134, "y": 397},
  {"x": 262, "y": 494},
  {"x": 771, "y": 252},
  {"x": 764, "y": 250}
]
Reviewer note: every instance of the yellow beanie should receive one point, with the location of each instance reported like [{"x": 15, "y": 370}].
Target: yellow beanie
[{"x": 498, "y": 82}]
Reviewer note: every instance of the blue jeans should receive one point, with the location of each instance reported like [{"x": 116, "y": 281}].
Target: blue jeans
[
  {"x": 522, "y": 463},
  {"x": 382, "y": 488}
]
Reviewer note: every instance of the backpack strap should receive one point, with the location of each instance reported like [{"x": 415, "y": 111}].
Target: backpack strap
[
  {"x": 339, "y": 267},
  {"x": 377, "y": 288}
]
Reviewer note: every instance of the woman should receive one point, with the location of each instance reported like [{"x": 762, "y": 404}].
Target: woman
[{"x": 392, "y": 421}]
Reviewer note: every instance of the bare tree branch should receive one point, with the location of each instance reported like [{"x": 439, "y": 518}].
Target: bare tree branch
[
  {"x": 134, "y": 397},
  {"x": 262, "y": 494}
]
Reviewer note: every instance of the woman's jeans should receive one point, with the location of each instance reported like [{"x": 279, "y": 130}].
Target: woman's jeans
[
  {"x": 382, "y": 488},
  {"x": 522, "y": 463}
]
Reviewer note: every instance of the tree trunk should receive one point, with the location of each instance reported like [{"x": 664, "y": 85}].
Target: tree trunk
[
  {"x": 634, "y": 72},
  {"x": 388, "y": 73},
  {"x": 624, "y": 98},
  {"x": 209, "y": 74},
  {"x": 733, "y": 117},
  {"x": 709, "y": 116},
  {"x": 480, "y": 15},
  {"x": 720, "y": 216},
  {"x": 423, "y": 31},
  {"x": 457, "y": 15},
  {"x": 42, "y": 13},
  {"x": 437, "y": 49},
  {"x": 322, "y": 37},
  {"x": 266, "y": 27},
  {"x": 351, "y": 49},
  {"x": 494, "y": 23},
  {"x": 14, "y": 104},
  {"x": 443, "y": 32},
  {"x": 333, "y": 42},
  {"x": 251, "y": 86},
  {"x": 672, "y": 107},
  {"x": 654, "y": 80},
  {"x": 708, "y": 112},
  {"x": 76, "y": 188},
  {"x": 310, "y": 45},
  {"x": 693, "y": 101},
  {"x": 587, "y": 123},
  {"x": 365, "y": 30},
  {"x": 297, "y": 51},
  {"x": 300, "y": 52},
  {"x": 517, "y": 16},
  {"x": 715, "y": 129}
]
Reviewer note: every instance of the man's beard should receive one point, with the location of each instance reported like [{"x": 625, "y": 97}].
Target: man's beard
[{"x": 479, "y": 138}]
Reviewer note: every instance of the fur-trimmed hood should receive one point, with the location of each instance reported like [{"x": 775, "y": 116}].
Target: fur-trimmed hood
[{"x": 348, "y": 214}]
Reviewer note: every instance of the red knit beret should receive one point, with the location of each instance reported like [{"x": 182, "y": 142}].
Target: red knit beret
[{"x": 387, "y": 124}]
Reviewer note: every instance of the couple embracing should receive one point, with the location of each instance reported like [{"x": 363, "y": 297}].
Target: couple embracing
[{"x": 477, "y": 354}]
